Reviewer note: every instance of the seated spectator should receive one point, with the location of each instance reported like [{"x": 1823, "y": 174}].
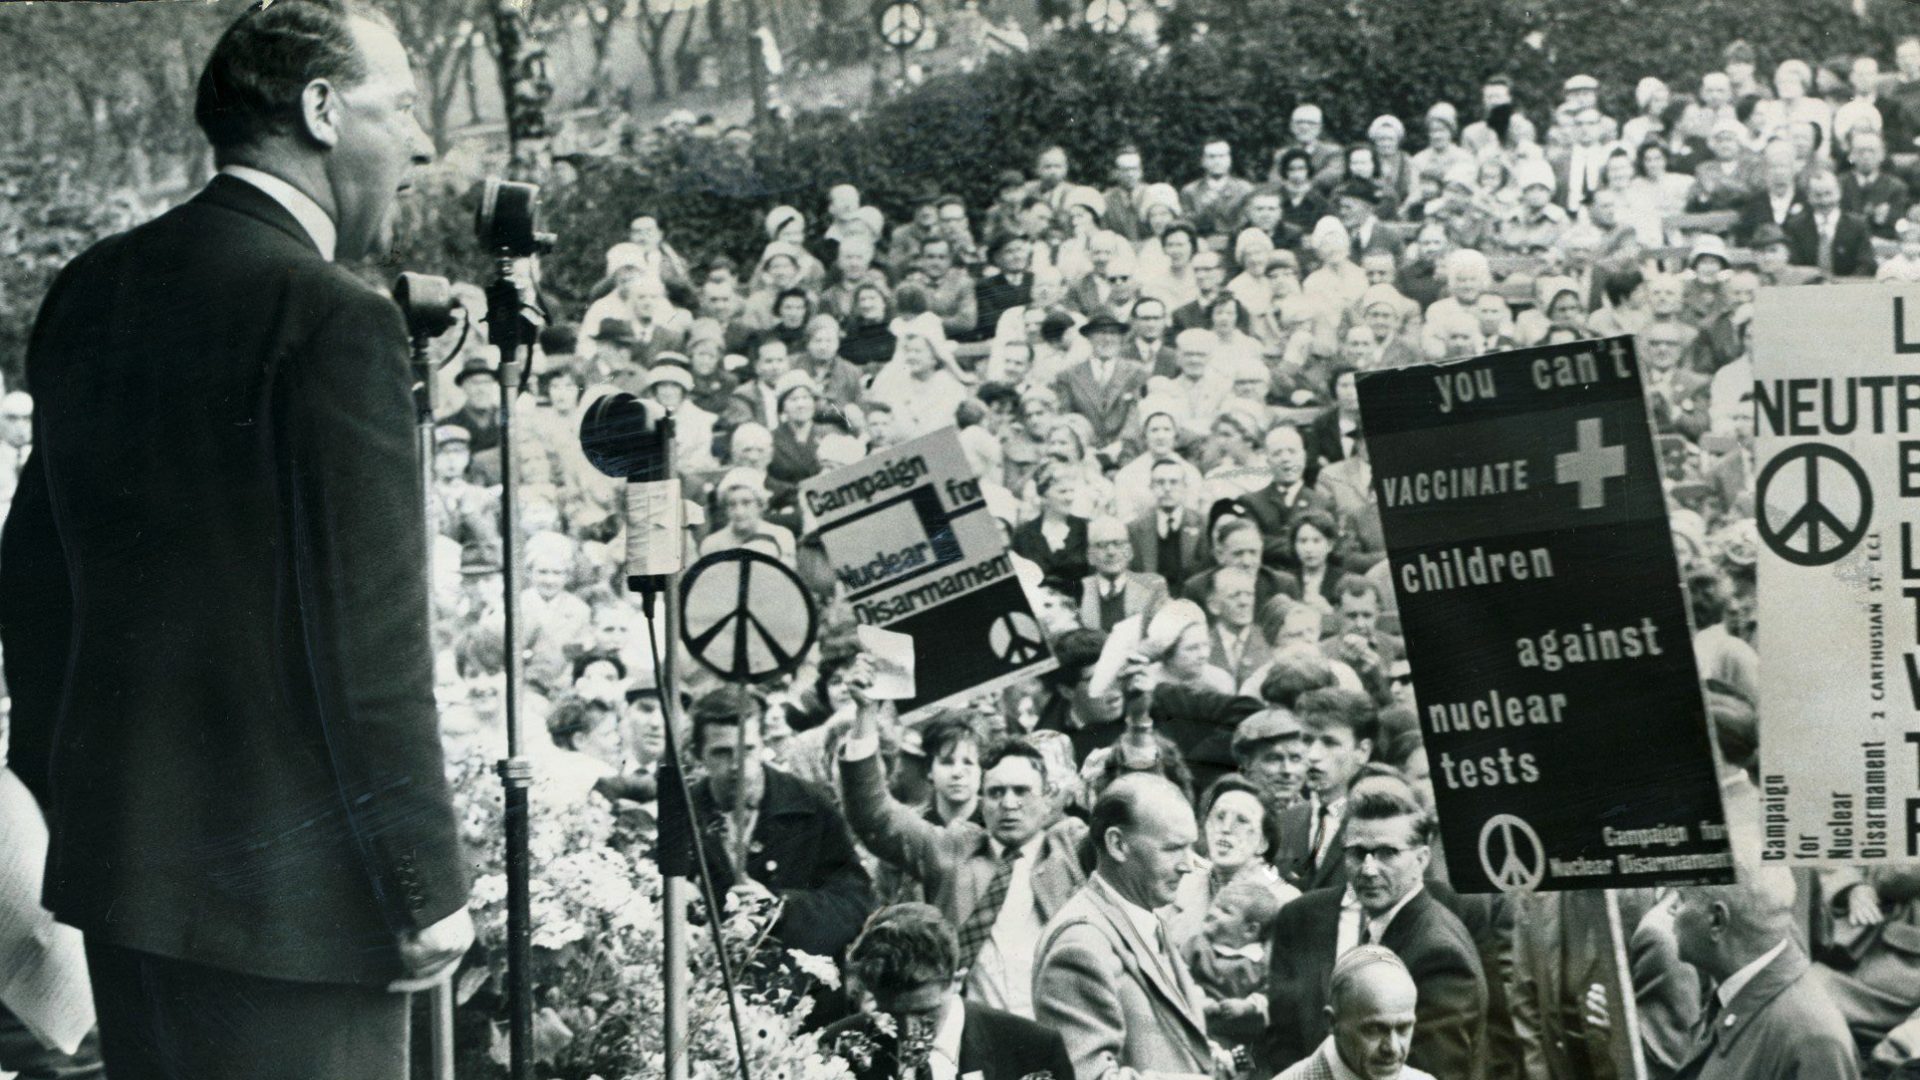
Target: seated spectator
[
  {"x": 742, "y": 495},
  {"x": 920, "y": 384}
]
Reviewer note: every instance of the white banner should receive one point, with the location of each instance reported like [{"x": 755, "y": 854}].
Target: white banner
[{"x": 1837, "y": 504}]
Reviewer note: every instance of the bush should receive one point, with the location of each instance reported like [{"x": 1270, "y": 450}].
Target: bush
[{"x": 1091, "y": 95}]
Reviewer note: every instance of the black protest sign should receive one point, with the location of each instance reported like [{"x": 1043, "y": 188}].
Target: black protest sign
[{"x": 1546, "y": 627}]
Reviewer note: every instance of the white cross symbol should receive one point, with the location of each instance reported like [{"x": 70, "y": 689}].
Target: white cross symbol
[{"x": 1589, "y": 464}]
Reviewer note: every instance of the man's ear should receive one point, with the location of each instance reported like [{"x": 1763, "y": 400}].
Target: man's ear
[{"x": 320, "y": 112}]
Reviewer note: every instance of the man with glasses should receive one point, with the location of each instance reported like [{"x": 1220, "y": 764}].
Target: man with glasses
[
  {"x": 1386, "y": 851},
  {"x": 952, "y": 224},
  {"x": 1113, "y": 592},
  {"x": 1125, "y": 196},
  {"x": 1108, "y": 288},
  {"x": 1679, "y": 397},
  {"x": 1147, "y": 337},
  {"x": 998, "y": 882}
]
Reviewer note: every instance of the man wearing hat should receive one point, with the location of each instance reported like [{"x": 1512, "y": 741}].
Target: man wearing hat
[
  {"x": 1105, "y": 387},
  {"x": 1266, "y": 749},
  {"x": 460, "y": 509},
  {"x": 1577, "y": 166},
  {"x": 1535, "y": 225},
  {"x": 1213, "y": 202},
  {"x": 480, "y": 414}
]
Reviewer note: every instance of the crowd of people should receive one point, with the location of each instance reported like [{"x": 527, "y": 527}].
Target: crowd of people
[{"x": 1206, "y": 844}]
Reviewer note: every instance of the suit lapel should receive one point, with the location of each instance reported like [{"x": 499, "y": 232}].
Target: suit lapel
[
  {"x": 976, "y": 1050},
  {"x": 1145, "y": 957}
]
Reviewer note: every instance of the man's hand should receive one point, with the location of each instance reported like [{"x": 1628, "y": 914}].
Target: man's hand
[
  {"x": 752, "y": 894},
  {"x": 1597, "y": 1016},
  {"x": 1863, "y": 906},
  {"x": 430, "y": 955}
]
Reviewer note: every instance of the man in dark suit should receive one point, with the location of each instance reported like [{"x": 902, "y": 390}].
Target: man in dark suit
[
  {"x": 232, "y": 723},
  {"x": 1777, "y": 200},
  {"x": 1273, "y": 507},
  {"x": 1148, "y": 342},
  {"x": 780, "y": 835},
  {"x": 1385, "y": 902},
  {"x": 908, "y": 960},
  {"x": 1166, "y": 539},
  {"x": 1837, "y": 243},
  {"x": 1105, "y": 387},
  {"x": 1338, "y": 728}
]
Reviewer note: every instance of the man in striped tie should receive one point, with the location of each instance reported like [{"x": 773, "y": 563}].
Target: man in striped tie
[{"x": 999, "y": 883}]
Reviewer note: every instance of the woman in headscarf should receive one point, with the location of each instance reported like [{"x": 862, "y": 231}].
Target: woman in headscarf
[
  {"x": 1133, "y": 483},
  {"x": 742, "y": 495},
  {"x": 1388, "y": 136},
  {"x": 1339, "y": 281},
  {"x": 920, "y": 383},
  {"x": 1064, "y": 445},
  {"x": 796, "y": 438},
  {"x": 1559, "y": 305},
  {"x": 787, "y": 232},
  {"x": 1443, "y": 150},
  {"x": 1252, "y": 250}
]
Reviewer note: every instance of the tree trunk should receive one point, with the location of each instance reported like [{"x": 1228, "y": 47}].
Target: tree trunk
[
  {"x": 756, "y": 61},
  {"x": 527, "y": 90},
  {"x": 653, "y": 40}
]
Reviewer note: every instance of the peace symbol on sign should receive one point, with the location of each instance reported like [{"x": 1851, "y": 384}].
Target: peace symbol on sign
[
  {"x": 902, "y": 22},
  {"x": 1523, "y": 858},
  {"x": 1015, "y": 639},
  {"x": 1107, "y": 16},
  {"x": 745, "y": 616},
  {"x": 1846, "y": 515}
]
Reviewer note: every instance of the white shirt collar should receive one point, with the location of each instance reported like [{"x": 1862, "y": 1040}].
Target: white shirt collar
[
  {"x": 946, "y": 1041},
  {"x": 1736, "y": 982},
  {"x": 1377, "y": 924},
  {"x": 314, "y": 220}
]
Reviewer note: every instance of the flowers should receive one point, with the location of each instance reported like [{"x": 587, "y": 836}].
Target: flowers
[{"x": 599, "y": 956}]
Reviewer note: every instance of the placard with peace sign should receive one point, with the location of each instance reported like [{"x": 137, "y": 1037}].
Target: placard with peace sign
[{"x": 745, "y": 616}]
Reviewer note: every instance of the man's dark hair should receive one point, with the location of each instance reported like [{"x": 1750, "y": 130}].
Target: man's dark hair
[
  {"x": 251, "y": 86},
  {"x": 1295, "y": 672},
  {"x": 991, "y": 393},
  {"x": 573, "y": 716},
  {"x": 1013, "y": 747},
  {"x": 1356, "y": 585},
  {"x": 587, "y": 659},
  {"x": 560, "y": 339},
  {"x": 1620, "y": 285},
  {"x": 1075, "y": 651},
  {"x": 948, "y": 728},
  {"x": 728, "y": 706},
  {"x": 1336, "y": 705},
  {"x": 1114, "y": 809},
  {"x": 903, "y": 948},
  {"x": 1383, "y": 796}
]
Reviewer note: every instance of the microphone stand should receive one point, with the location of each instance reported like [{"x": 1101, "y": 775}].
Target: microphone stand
[{"x": 511, "y": 329}]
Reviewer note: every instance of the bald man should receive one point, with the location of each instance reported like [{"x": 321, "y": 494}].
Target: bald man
[
  {"x": 1107, "y": 980},
  {"x": 1766, "y": 1019},
  {"x": 1371, "y": 1001},
  {"x": 1113, "y": 592}
]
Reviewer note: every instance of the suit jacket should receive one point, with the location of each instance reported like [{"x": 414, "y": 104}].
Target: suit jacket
[
  {"x": 1068, "y": 562},
  {"x": 1109, "y": 407},
  {"x": 1144, "y": 531},
  {"x": 1323, "y": 437},
  {"x": 994, "y": 1044},
  {"x": 1852, "y": 244},
  {"x": 1780, "y": 1026},
  {"x": 1560, "y": 948},
  {"x": 1257, "y": 652},
  {"x": 954, "y": 862},
  {"x": 1296, "y": 836},
  {"x": 1141, "y": 593},
  {"x": 1756, "y": 209},
  {"x": 1321, "y": 1066},
  {"x": 1449, "y": 1035},
  {"x": 215, "y": 604},
  {"x": 1274, "y": 512},
  {"x": 801, "y": 851},
  {"x": 1102, "y": 987}
]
